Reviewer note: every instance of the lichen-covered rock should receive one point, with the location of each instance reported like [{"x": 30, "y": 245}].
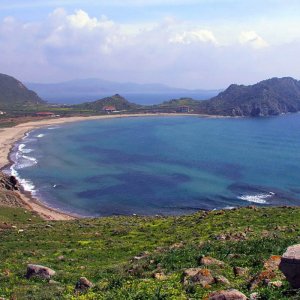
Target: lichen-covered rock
[
  {"x": 227, "y": 295},
  {"x": 290, "y": 265},
  {"x": 83, "y": 284},
  {"x": 39, "y": 271},
  {"x": 198, "y": 276},
  {"x": 209, "y": 261},
  {"x": 269, "y": 272}
]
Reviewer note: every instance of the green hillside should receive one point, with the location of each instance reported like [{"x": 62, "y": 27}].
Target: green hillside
[
  {"x": 14, "y": 94},
  {"x": 117, "y": 101},
  {"x": 145, "y": 257}
]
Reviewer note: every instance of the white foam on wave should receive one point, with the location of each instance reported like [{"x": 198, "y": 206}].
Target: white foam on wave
[
  {"x": 258, "y": 198},
  {"x": 27, "y": 185},
  {"x": 229, "y": 207},
  {"x": 22, "y": 149},
  {"x": 40, "y": 135},
  {"x": 25, "y": 161},
  {"x": 52, "y": 128}
]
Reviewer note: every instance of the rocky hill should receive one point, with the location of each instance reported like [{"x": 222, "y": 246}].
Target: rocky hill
[
  {"x": 117, "y": 101},
  {"x": 14, "y": 93},
  {"x": 269, "y": 97},
  {"x": 8, "y": 195}
]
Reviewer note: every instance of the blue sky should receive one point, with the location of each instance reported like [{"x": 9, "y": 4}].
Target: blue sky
[{"x": 193, "y": 44}]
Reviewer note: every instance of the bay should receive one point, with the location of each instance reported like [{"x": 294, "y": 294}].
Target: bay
[{"x": 162, "y": 165}]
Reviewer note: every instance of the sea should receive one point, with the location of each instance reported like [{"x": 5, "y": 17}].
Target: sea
[{"x": 162, "y": 165}]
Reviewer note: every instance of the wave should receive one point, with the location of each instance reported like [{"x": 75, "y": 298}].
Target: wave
[
  {"x": 258, "y": 198},
  {"x": 22, "y": 149},
  {"x": 54, "y": 127},
  {"x": 27, "y": 185},
  {"x": 40, "y": 135}
]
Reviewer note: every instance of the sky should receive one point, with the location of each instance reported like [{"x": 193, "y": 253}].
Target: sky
[{"x": 196, "y": 44}]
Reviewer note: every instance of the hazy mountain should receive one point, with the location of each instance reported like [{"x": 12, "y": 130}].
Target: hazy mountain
[
  {"x": 78, "y": 91},
  {"x": 15, "y": 93},
  {"x": 269, "y": 97}
]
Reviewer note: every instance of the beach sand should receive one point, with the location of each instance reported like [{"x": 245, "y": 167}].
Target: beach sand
[{"x": 9, "y": 136}]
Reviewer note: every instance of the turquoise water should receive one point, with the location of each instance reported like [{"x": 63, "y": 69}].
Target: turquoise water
[{"x": 162, "y": 165}]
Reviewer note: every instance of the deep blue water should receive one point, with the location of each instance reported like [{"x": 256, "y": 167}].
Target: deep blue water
[{"x": 162, "y": 165}]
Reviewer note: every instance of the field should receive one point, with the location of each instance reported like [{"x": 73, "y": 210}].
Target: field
[{"x": 143, "y": 257}]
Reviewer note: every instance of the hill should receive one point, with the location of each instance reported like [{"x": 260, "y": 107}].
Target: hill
[
  {"x": 117, "y": 101},
  {"x": 14, "y": 93},
  {"x": 137, "y": 257},
  {"x": 269, "y": 97}
]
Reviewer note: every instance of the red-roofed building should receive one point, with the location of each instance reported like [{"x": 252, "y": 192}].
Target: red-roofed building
[{"x": 109, "y": 109}]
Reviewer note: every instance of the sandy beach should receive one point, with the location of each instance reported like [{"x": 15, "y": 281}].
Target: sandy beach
[{"x": 9, "y": 136}]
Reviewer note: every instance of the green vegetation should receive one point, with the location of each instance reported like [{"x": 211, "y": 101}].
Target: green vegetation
[{"x": 120, "y": 255}]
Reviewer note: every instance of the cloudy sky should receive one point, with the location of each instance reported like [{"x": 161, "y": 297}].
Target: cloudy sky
[{"x": 184, "y": 43}]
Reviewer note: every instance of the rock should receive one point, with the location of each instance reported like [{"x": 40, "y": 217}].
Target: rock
[
  {"x": 222, "y": 280},
  {"x": 198, "y": 276},
  {"x": 39, "y": 271},
  {"x": 142, "y": 256},
  {"x": 238, "y": 271},
  {"x": 159, "y": 276},
  {"x": 177, "y": 246},
  {"x": 290, "y": 265},
  {"x": 209, "y": 261},
  {"x": 8, "y": 182},
  {"x": 272, "y": 263},
  {"x": 53, "y": 282},
  {"x": 254, "y": 296},
  {"x": 269, "y": 272},
  {"x": 83, "y": 284},
  {"x": 227, "y": 295},
  {"x": 276, "y": 284}
]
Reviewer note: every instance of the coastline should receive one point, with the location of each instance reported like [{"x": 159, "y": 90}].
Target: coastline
[{"x": 9, "y": 136}]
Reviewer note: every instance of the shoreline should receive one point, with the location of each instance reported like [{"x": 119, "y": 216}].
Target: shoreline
[{"x": 9, "y": 136}]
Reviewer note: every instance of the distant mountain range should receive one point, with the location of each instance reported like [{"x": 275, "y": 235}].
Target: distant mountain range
[
  {"x": 14, "y": 93},
  {"x": 269, "y": 97},
  {"x": 77, "y": 91}
]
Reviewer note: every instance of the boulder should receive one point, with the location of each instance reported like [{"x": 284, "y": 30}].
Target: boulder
[
  {"x": 83, "y": 284},
  {"x": 198, "y": 276},
  {"x": 290, "y": 265},
  {"x": 209, "y": 261},
  {"x": 227, "y": 295},
  {"x": 39, "y": 271}
]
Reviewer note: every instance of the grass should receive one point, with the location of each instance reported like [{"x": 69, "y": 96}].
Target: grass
[{"x": 103, "y": 250}]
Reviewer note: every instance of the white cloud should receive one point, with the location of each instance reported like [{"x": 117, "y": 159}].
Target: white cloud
[
  {"x": 188, "y": 37},
  {"x": 253, "y": 39},
  {"x": 180, "y": 53}
]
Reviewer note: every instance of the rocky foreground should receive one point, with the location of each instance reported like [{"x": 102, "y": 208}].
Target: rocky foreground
[{"x": 247, "y": 253}]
